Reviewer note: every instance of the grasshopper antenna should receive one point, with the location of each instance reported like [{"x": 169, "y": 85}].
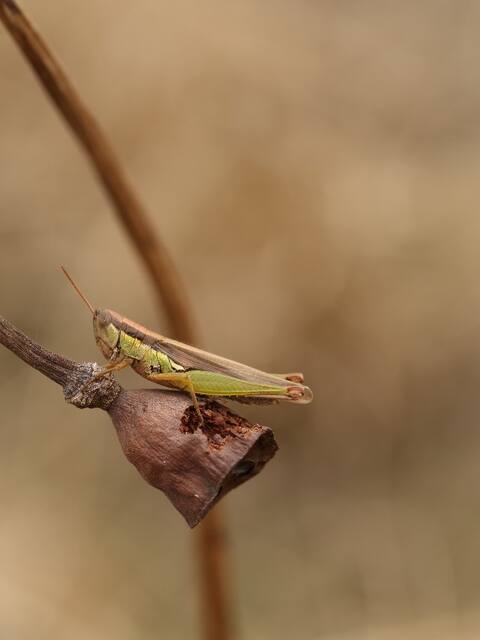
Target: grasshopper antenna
[{"x": 77, "y": 289}]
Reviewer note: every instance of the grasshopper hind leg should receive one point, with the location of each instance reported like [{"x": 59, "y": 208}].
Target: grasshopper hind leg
[{"x": 181, "y": 381}]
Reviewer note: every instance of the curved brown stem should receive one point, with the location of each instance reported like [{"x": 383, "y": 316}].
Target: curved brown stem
[
  {"x": 168, "y": 284},
  {"x": 130, "y": 211}
]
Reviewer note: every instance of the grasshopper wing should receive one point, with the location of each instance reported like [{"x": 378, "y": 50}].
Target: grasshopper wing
[{"x": 193, "y": 358}]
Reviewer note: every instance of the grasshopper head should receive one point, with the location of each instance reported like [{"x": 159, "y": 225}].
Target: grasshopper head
[
  {"x": 105, "y": 322},
  {"x": 105, "y": 331}
]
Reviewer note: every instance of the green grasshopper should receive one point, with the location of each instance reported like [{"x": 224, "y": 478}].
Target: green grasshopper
[{"x": 175, "y": 364}]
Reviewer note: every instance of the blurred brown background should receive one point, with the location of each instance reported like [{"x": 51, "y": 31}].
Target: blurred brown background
[{"x": 313, "y": 168}]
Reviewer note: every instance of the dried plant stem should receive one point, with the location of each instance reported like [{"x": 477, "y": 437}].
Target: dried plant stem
[
  {"x": 52, "y": 365},
  {"x": 67, "y": 373},
  {"x": 160, "y": 266},
  {"x": 212, "y": 549}
]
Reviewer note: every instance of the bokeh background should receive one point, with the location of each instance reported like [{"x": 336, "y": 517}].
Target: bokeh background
[{"x": 314, "y": 169}]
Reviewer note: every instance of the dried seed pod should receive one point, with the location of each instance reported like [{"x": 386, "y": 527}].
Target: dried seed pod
[{"x": 194, "y": 465}]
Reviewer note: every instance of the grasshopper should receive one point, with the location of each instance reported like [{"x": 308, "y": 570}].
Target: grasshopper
[{"x": 174, "y": 364}]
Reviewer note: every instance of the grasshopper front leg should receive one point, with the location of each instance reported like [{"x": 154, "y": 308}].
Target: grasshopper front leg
[
  {"x": 108, "y": 368},
  {"x": 111, "y": 366}
]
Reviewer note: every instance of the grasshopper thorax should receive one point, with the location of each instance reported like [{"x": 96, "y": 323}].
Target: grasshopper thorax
[{"x": 105, "y": 331}]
